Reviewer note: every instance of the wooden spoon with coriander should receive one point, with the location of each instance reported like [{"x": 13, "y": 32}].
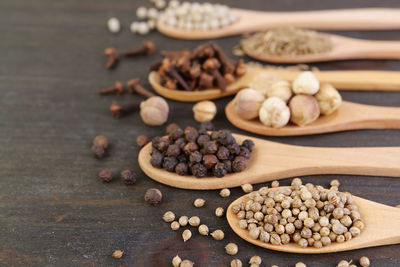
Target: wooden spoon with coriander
[
  {"x": 342, "y": 48},
  {"x": 342, "y": 80},
  {"x": 270, "y": 161},
  {"x": 380, "y": 229},
  {"x": 349, "y": 116},
  {"x": 251, "y": 21}
]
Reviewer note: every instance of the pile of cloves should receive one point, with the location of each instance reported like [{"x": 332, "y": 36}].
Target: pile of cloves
[{"x": 206, "y": 67}]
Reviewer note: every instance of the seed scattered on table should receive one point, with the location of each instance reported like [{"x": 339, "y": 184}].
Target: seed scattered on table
[
  {"x": 236, "y": 263},
  {"x": 231, "y": 249},
  {"x": 176, "y": 261},
  {"x": 225, "y": 192},
  {"x": 194, "y": 221},
  {"x": 300, "y": 264},
  {"x": 183, "y": 220},
  {"x": 129, "y": 177},
  {"x": 186, "y": 263},
  {"x": 175, "y": 225},
  {"x": 364, "y": 261},
  {"x": 255, "y": 260},
  {"x": 218, "y": 234},
  {"x": 203, "y": 229},
  {"x": 153, "y": 196},
  {"x": 186, "y": 235},
  {"x": 142, "y": 140},
  {"x": 219, "y": 212},
  {"x": 117, "y": 254},
  {"x": 199, "y": 202},
  {"x": 169, "y": 216},
  {"x": 247, "y": 188},
  {"x": 106, "y": 175},
  {"x": 343, "y": 263}
]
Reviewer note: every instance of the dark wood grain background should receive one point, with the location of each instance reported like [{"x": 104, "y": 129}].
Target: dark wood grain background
[{"x": 53, "y": 209}]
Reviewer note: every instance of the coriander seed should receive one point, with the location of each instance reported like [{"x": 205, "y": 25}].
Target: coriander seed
[
  {"x": 275, "y": 184},
  {"x": 236, "y": 263},
  {"x": 219, "y": 212},
  {"x": 335, "y": 182},
  {"x": 300, "y": 264},
  {"x": 153, "y": 196},
  {"x": 199, "y": 202},
  {"x": 225, "y": 192},
  {"x": 203, "y": 229},
  {"x": 343, "y": 263},
  {"x": 364, "y": 261},
  {"x": 255, "y": 260},
  {"x": 247, "y": 188},
  {"x": 231, "y": 249},
  {"x": 218, "y": 234},
  {"x": 186, "y": 263},
  {"x": 175, "y": 225},
  {"x": 169, "y": 216},
  {"x": 194, "y": 221},
  {"x": 186, "y": 235},
  {"x": 176, "y": 261},
  {"x": 118, "y": 254},
  {"x": 183, "y": 220}
]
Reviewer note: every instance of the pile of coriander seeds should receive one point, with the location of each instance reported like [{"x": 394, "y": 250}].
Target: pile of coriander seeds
[{"x": 308, "y": 215}]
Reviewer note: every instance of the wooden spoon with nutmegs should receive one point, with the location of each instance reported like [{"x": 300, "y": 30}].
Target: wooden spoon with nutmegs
[
  {"x": 342, "y": 80},
  {"x": 349, "y": 116},
  {"x": 380, "y": 229},
  {"x": 342, "y": 48},
  {"x": 251, "y": 21},
  {"x": 270, "y": 161}
]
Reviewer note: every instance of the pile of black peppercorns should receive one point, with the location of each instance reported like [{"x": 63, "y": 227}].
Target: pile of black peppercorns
[{"x": 197, "y": 152}]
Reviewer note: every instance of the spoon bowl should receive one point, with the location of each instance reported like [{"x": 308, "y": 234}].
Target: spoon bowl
[
  {"x": 271, "y": 161},
  {"x": 342, "y": 80},
  {"x": 380, "y": 229},
  {"x": 250, "y": 21},
  {"x": 342, "y": 48},
  {"x": 349, "y": 116}
]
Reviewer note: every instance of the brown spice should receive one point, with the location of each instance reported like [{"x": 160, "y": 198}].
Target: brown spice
[
  {"x": 135, "y": 87},
  {"x": 118, "y": 89},
  {"x": 117, "y": 254},
  {"x": 117, "y": 110},
  {"x": 153, "y": 196},
  {"x": 112, "y": 57},
  {"x": 142, "y": 140},
  {"x": 106, "y": 175},
  {"x": 147, "y": 49}
]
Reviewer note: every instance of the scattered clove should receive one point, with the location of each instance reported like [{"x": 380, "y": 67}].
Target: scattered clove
[
  {"x": 118, "y": 89},
  {"x": 117, "y": 110},
  {"x": 112, "y": 57},
  {"x": 147, "y": 49},
  {"x": 135, "y": 87}
]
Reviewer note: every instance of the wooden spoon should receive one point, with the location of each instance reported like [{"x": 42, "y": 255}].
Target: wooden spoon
[
  {"x": 249, "y": 21},
  {"x": 342, "y": 48},
  {"x": 271, "y": 160},
  {"x": 349, "y": 116},
  {"x": 380, "y": 229},
  {"x": 343, "y": 80}
]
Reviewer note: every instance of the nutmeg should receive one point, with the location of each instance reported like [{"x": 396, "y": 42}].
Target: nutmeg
[
  {"x": 247, "y": 103},
  {"x": 204, "y": 111},
  {"x": 281, "y": 89},
  {"x": 306, "y": 83},
  {"x": 304, "y": 109},
  {"x": 154, "y": 111},
  {"x": 274, "y": 112}
]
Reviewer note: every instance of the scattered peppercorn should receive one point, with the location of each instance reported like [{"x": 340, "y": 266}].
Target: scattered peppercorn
[
  {"x": 98, "y": 151},
  {"x": 142, "y": 140},
  {"x": 129, "y": 177},
  {"x": 153, "y": 196},
  {"x": 106, "y": 175},
  {"x": 118, "y": 254},
  {"x": 100, "y": 140}
]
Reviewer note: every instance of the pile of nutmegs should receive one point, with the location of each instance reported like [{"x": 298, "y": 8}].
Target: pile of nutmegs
[
  {"x": 206, "y": 67},
  {"x": 276, "y": 102},
  {"x": 198, "y": 152},
  {"x": 308, "y": 215}
]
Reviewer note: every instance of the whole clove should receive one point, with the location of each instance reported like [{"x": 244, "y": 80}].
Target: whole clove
[
  {"x": 147, "y": 49},
  {"x": 112, "y": 57},
  {"x": 118, "y": 89},
  {"x": 117, "y": 110},
  {"x": 135, "y": 87}
]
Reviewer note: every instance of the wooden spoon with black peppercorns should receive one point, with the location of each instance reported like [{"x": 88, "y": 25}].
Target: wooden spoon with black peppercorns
[
  {"x": 270, "y": 161},
  {"x": 380, "y": 229},
  {"x": 342, "y": 80}
]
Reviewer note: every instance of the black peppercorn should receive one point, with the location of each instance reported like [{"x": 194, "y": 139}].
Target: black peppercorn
[
  {"x": 173, "y": 151},
  {"x": 228, "y": 165},
  {"x": 234, "y": 149},
  {"x": 239, "y": 164},
  {"x": 182, "y": 158},
  {"x": 142, "y": 140},
  {"x": 153, "y": 196},
  {"x": 249, "y": 144},
  {"x": 182, "y": 168},
  {"x": 98, "y": 151},
  {"x": 106, "y": 175},
  {"x": 225, "y": 137},
  {"x": 190, "y": 147},
  {"x": 156, "y": 159},
  {"x": 129, "y": 177},
  {"x": 206, "y": 126},
  {"x": 177, "y": 133},
  {"x": 199, "y": 170},
  {"x": 210, "y": 147},
  {"x": 223, "y": 153},
  {"x": 163, "y": 144},
  {"x": 244, "y": 152},
  {"x": 181, "y": 142},
  {"x": 171, "y": 127},
  {"x": 191, "y": 134},
  {"x": 202, "y": 139},
  {"x": 169, "y": 163},
  {"x": 195, "y": 157},
  {"x": 100, "y": 140},
  {"x": 219, "y": 170},
  {"x": 209, "y": 161},
  {"x": 155, "y": 141}
]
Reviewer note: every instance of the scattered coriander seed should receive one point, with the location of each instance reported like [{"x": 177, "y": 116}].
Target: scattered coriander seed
[
  {"x": 106, "y": 175},
  {"x": 231, "y": 249},
  {"x": 183, "y": 220},
  {"x": 275, "y": 183},
  {"x": 153, "y": 196},
  {"x": 218, "y": 234},
  {"x": 225, "y": 192},
  {"x": 335, "y": 182},
  {"x": 199, "y": 202},
  {"x": 364, "y": 261},
  {"x": 247, "y": 188},
  {"x": 142, "y": 140},
  {"x": 274, "y": 265},
  {"x": 236, "y": 263},
  {"x": 219, "y": 212},
  {"x": 129, "y": 177},
  {"x": 194, "y": 221},
  {"x": 175, "y": 225},
  {"x": 300, "y": 264},
  {"x": 343, "y": 263},
  {"x": 186, "y": 263},
  {"x": 169, "y": 216},
  {"x": 176, "y": 261},
  {"x": 118, "y": 254},
  {"x": 203, "y": 229},
  {"x": 255, "y": 260},
  {"x": 113, "y": 25},
  {"x": 186, "y": 235}
]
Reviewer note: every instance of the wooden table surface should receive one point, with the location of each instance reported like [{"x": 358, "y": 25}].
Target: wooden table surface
[{"x": 54, "y": 211}]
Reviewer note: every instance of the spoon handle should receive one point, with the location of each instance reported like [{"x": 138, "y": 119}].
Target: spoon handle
[
  {"x": 366, "y": 49},
  {"x": 341, "y": 19}
]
